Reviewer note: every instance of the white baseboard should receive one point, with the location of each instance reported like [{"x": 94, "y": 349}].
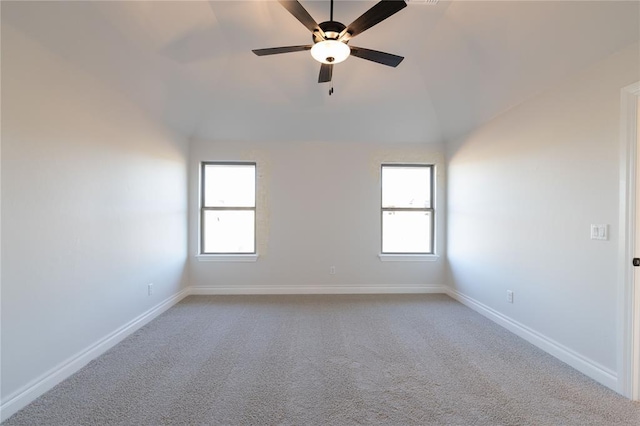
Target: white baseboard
[
  {"x": 319, "y": 289},
  {"x": 25, "y": 395},
  {"x": 581, "y": 363}
]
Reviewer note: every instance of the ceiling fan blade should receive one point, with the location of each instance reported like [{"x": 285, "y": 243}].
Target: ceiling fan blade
[
  {"x": 326, "y": 71},
  {"x": 277, "y": 50},
  {"x": 295, "y": 8},
  {"x": 378, "y": 13},
  {"x": 377, "y": 56}
]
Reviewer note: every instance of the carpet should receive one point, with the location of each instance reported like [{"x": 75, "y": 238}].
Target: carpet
[{"x": 326, "y": 360}]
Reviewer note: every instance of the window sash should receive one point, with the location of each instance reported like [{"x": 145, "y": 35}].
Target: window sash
[
  {"x": 241, "y": 194},
  {"x": 408, "y": 186},
  {"x": 204, "y": 209}
]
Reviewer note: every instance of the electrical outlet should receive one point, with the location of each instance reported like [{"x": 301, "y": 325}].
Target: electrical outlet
[
  {"x": 509, "y": 296},
  {"x": 332, "y": 270},
  {"x": 150, "y": 289}
]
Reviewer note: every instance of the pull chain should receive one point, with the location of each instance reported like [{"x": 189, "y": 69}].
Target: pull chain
[{"x": 331, "y": 19}]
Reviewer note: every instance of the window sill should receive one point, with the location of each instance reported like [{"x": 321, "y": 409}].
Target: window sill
[
  {"x": 227, "y": 257},
  {"x": 408, "y": 257}
]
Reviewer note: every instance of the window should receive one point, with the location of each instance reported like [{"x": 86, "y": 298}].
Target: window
[
  {"x": 407, "y": 209},
  {"x": 228, "y": 208}
]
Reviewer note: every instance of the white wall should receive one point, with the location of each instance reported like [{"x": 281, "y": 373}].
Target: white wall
[
  {"x": 522, "y": 193},
  {"x": 94, "y": 201},
  {"x": 318, "y": 206}
]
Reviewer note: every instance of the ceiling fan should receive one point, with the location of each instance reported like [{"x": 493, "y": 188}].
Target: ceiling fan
[{"x": 331, "y": 38}]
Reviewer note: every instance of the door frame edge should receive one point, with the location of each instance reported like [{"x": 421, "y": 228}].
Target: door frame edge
[{"x": 628, "y": 303}]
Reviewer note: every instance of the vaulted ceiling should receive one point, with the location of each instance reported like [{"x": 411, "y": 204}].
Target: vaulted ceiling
[{"x": 190, "y": 63}]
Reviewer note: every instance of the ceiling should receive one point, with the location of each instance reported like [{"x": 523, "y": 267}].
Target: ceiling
[{"x": 190, "y": 64}]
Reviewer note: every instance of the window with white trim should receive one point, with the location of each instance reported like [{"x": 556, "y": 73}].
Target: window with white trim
[
  {"x": 228, "y": 208},
  {"x": 407, "y": 212}
]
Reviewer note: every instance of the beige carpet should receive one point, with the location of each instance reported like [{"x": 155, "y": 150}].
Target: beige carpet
[{"x": 326, "y": 360}]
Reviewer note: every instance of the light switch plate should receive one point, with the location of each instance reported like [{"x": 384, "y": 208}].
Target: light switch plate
[{"x": 600, "y": 232}]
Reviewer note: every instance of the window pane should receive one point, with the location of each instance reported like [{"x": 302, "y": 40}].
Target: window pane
[
  {"x": 228, "y": 231},
  {"x": 406, "y": 232},
  {"x": 406, "y": 186},
  {"x": 229, "y": 185}
]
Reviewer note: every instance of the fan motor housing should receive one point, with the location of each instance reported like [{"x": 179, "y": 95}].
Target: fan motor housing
[{"x": 331, "y": 29}]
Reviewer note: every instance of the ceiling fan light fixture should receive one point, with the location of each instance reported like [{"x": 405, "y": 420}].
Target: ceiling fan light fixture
[
  {"x": 331, "y": 37},
  {"x": 330, "y": 51}
]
